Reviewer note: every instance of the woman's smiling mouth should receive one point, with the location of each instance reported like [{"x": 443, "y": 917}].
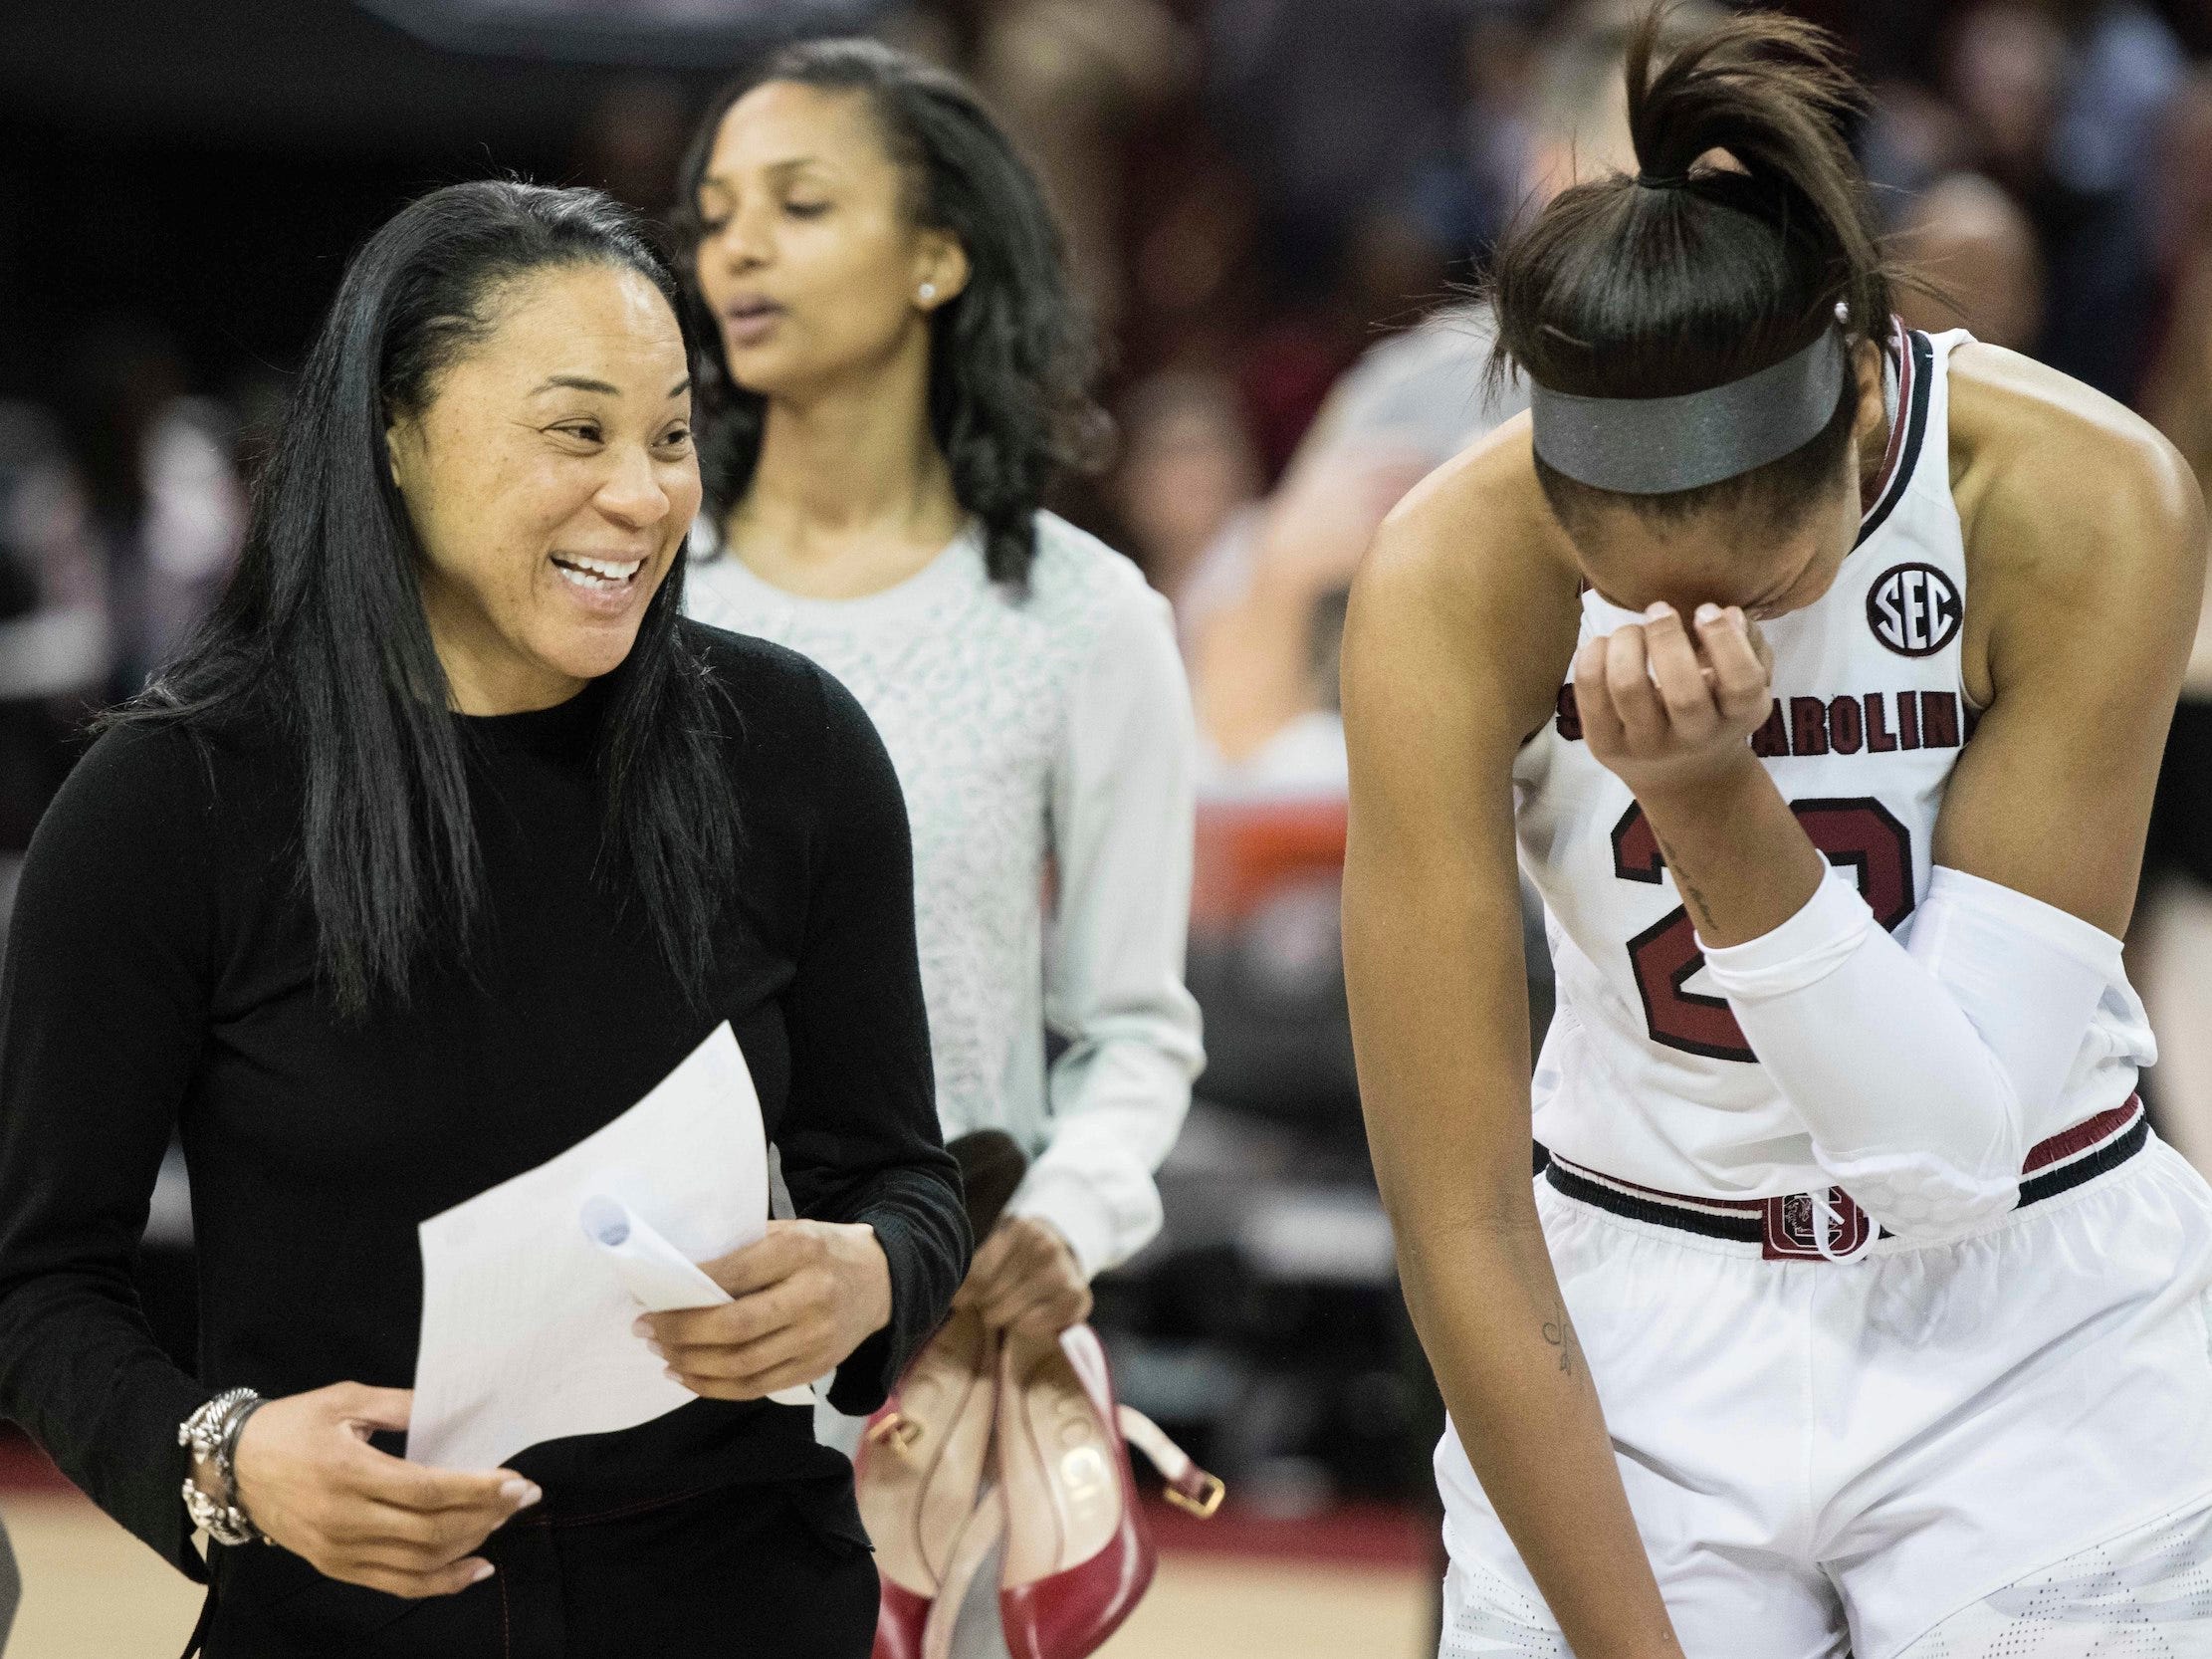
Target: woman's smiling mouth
[{"x": 602, "y": 579}]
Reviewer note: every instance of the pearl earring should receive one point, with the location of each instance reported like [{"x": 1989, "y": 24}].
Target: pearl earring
[{"x": 928, "y": 292}]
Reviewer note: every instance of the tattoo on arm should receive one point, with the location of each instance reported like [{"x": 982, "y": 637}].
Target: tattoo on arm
[
  {"x": 1560, "y": 1333},
  {"x": 1686, "y": 887}
]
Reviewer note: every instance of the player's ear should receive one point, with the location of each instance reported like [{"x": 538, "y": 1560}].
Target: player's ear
[{"x": 1874, "y": 404}]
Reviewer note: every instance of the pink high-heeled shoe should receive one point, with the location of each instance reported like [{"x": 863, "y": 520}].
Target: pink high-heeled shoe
[
  {"x": 919, "y": 1478},
  {"x": 1079, "y": 1555}
]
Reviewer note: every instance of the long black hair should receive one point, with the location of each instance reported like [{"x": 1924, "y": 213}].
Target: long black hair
[
  {"x": 1687, "y": 275},
  {"x": 323, "y": 630},
  {"x": 1012, "y": 356}
]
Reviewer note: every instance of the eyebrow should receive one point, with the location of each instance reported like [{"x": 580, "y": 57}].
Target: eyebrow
[
  {"x": 781, "y": 170},
  {"x": 581, "y": 382}
]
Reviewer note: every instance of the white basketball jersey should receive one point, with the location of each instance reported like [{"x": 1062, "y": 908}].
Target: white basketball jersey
[{"x": 1645, "y": 1074}]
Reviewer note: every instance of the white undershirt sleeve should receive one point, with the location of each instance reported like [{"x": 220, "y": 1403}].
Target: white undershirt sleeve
[
  {"x": 1122, "y": 810},
  {"x": 1925, "y": 1067}
]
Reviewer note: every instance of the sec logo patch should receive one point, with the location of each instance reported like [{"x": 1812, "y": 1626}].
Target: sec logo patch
[{"x": 1914, "y": 611}]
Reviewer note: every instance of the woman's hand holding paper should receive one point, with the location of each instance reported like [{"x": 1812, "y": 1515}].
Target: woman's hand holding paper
[
  {"x": 804, "y": 1297},
  {"x": 312, "y": 1483}
]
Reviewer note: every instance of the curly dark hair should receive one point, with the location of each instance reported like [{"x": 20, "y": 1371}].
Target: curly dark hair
[{"x": 1012, "y": 356}]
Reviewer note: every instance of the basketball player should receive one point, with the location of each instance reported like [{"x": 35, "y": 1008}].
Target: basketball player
[{"x": 1821, "y": 669}]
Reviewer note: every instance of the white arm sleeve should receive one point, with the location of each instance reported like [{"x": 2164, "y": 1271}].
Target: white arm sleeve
[
  {"x": 1925, "y": 1068},
  {"x": 1122, "y": 810}
]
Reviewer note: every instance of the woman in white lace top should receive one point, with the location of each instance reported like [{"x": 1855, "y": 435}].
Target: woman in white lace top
[{"x": 895, "y": 369}]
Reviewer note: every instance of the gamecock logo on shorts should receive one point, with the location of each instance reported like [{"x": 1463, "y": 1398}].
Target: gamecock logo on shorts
[
  {"x": 1914, "y": 609},
  {"x": 1793, "y": 1227}
]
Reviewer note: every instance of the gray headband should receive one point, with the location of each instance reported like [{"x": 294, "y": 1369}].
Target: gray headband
[{"x": 1658, "y": 445}]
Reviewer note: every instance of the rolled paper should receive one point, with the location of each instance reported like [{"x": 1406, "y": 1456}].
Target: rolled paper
[{"x": 655, "y": 1273}]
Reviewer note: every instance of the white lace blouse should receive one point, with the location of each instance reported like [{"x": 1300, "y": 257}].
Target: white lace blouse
[{"x": 1047, "y": 746}]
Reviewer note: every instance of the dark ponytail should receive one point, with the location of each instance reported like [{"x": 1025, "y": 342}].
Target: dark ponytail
[{"x": 1693, "y": 274}]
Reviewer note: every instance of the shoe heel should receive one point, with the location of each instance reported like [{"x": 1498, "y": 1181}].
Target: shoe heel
[{"x": 976, "y": 1540}]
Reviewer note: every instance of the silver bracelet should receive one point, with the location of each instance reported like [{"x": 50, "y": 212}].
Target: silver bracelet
[
  {"x": 212, "y": 1432},
  {"x": 224, "y": 1523},
  {"x": 226, "y": 1450}
]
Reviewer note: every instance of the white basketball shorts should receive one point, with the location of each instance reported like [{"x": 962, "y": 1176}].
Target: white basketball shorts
[{"x": 1839, "y": 1457}]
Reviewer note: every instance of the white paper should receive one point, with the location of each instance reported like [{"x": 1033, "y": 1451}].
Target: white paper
[
  {"x": 656, "y": 1273},
  {"x": 526, "y": 1318}
]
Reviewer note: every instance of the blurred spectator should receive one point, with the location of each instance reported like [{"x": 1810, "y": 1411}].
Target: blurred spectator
[
  {"x": 2177, "y": 393},
  {"x": 52, "y": 633},
  {"x": 2007, "y": 70},
  {"x": 1262, "y": 674},
  {"x": 2184, "y": 165},
  {"x": 2125, "y": 69},
  {"x": 1188, "y": 256},
  {"x": 1263, "y": 610},
  {"x": 1886, "y": 38},
  {"x": 1069, "y": 78},
  {"x": 1187, "y": 468},
  {"x": 2171, "y": 942},
  {"x": 46, "y": 648},
  {"x": 2059, "y": 102},
  {"x": 1462, "y": 195},
  {"x": 1300, "y": 89},
  {"x": 117, "y": 526},
  {"x": 139, "y": 533},
  {"x": 1977, "y": 252},
  {"x": 1914, "y": 138},
  {"x": 1296, "y": 89}
]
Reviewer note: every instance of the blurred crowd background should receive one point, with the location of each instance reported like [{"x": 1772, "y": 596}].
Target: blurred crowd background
[{"x": 1274, "y": 207}]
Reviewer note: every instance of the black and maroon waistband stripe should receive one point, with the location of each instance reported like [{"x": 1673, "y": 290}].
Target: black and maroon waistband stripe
[
  {"x": 2053, "y": 1167},
  {"x": 2065, "y": 1171},
  {"x": 1645, "y": 1204}
]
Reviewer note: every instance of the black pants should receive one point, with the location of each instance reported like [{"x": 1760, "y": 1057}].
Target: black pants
[{"x": 773, "y": 1571}]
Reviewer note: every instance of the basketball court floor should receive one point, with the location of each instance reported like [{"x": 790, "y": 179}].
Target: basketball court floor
[{"x": 91, "y": 1591}]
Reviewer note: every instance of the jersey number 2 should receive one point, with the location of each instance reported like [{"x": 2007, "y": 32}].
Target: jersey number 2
[{"x": 1859, "y": 832}]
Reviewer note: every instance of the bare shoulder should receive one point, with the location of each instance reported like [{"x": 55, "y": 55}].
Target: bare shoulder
[
  {"x": 1469, "y": 590},
  {"x": 1475, "y": 521},
  {"x": 2084, "y": 551},
  {"x": 2059, "y": 483}
]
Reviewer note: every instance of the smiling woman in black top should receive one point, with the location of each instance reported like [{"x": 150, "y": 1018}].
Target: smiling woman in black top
[{"x": 445, "y": 844}]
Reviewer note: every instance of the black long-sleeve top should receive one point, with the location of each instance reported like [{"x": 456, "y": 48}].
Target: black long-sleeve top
[{"x": 161, "y": 976}]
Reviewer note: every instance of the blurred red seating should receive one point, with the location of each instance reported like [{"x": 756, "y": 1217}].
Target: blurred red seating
[{"x": 1249, "y": 850}]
